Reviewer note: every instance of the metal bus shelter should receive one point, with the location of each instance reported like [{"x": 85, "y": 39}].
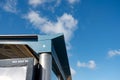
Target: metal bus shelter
[{"x": 49, "y": 52}]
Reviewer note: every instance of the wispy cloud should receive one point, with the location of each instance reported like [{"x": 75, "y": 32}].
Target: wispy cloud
[
  {"x": 69, "y": 55},
  {"x": 73, "y": 1},
  {"x": 112, "y": 53},
  {"x": 65, "y": 24},
  {"x": 10, "y": 6},
  {"x": 73, "y": 72},
  {"x": 90, "y": 64},
  {"x": 36, "y": 3}
]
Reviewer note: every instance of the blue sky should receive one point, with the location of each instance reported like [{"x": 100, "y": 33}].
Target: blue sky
[{"x": 91, "y": 29}]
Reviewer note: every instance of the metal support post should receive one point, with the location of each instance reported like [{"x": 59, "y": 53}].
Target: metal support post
[
  {"x": 45, "y": 60},
  {"x": 59, "y": 77}
]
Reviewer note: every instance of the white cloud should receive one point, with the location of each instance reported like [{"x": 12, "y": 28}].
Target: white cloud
[
  {"x": 65, "y": 24},
  {"x": 73, "y": 72},
  {"x": 91, "y": 64},
  {"x": 112, "y": 53},
  {"x": 10, "y": 6},
  {"x": 79, "y": 64},
  {"x": 36, "y": 2},
  {"x": 73, "y": 1}
]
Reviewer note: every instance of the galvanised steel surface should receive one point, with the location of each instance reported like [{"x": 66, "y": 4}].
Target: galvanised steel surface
[{"x": 45, "y": 60}]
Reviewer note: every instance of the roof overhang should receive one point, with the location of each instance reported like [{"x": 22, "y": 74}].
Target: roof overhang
[{"x": 32, "y": 45}]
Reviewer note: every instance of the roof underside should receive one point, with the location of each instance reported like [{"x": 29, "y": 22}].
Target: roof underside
[{"x": 8, "y": 51}]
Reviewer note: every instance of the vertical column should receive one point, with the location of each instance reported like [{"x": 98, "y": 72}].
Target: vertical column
[
  {"x": 59, "y": 77},
  {"x": 45, "y": 60}
]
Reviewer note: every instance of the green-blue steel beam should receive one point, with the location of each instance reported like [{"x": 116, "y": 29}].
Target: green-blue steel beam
[{"x": 43, "y": 43}]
